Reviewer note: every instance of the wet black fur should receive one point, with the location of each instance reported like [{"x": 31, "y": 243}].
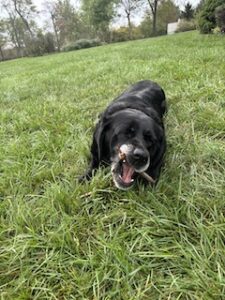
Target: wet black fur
[{"x": 136, "y": 117}]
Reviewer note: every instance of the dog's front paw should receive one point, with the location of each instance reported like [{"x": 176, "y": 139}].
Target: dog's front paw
[{"x": 86, "y": 177}]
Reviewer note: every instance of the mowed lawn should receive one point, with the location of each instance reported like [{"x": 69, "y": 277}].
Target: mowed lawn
[{"x": 63, "y": 240}]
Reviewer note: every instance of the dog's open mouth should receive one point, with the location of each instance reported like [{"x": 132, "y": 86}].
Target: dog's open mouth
[
  {"x": 127, "y": 173},
  {"x": 124, "y": 174}
]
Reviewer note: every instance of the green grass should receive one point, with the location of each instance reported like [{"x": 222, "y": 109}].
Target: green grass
[{"x": 63, "y": 240}]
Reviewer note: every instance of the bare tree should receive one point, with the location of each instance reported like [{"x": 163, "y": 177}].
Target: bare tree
[
  {"x": 130, "y": 6},
  {"x": 20, "y": 25},
  {"x": 50, "y": 8},
  {"x": 25, "y": 9},
  {"x": 3, "y": 39},
  {"x": 12, "y": 26},
  {"x": 153, "y": 4}
]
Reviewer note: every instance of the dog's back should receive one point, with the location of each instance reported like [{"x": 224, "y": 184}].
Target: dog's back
[{"x": 144, "y": 93}]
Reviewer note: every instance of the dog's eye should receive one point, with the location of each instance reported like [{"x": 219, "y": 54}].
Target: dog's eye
[
  {"x": 148, "y": 138},
  {"x": 147, "y": 135},
  {"x": 130, "y": 131}
]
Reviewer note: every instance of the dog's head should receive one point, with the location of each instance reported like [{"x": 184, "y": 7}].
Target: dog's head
[{"x": 129, "y": 140}]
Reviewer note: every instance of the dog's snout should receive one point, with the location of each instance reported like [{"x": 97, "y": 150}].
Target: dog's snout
[{"x": 140, "y": 155}]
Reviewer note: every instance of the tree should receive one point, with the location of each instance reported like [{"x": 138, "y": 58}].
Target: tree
[
  {"x": 3, "y": 38},
  {"x": 168, "y": 12},
  {"x": 25, "y": 10},
  {"x": 188, "y": 12},
  {"x": 200, "y": 6},
  {"x": 99, "y": 14},
  {"x": 206, "y": 17},
  {"x": 42, "y": 43},
  {"x": 67, "y": 21},
  {"x": 50, "y": 8},
  {"x": 13, "y": 27},
  {"x": 153, "y": 4},
  {"x": 220, "y": 17},
  {"x": 49, "y": 42},
  {"x": 146, "y": 25},
  {"x": 129, "y": 6},
  {"x": 21, "y": 27}
]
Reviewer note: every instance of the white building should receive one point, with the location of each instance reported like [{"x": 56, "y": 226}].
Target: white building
[{"x": 172, "y": 27}]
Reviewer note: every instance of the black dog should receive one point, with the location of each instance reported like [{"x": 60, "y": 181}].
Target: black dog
[{"x": 132, "y": 125}]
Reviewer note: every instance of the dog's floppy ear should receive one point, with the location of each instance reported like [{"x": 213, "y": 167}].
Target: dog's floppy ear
[
  {"x": 97, "y": 150},
  {"x": 157, "y": 158},
  {"x": 99, "y": 146}
]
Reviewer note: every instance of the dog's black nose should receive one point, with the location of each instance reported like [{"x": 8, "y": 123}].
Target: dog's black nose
[{"x": 140, "y": 155}]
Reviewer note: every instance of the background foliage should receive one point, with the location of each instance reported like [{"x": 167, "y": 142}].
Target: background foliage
[
  {"x": 207, "y": 16},
  {"x": 65, "y": 25}
]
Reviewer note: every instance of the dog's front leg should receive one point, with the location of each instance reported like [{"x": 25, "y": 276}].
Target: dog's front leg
[
  {"x": 94, "y": 162},
  {"x": 93, "y": 166}
]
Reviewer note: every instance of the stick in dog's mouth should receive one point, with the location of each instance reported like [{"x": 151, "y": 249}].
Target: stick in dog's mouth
[
  {"x": 122, "y": 156},
  {"x": 147, "y": 177}
]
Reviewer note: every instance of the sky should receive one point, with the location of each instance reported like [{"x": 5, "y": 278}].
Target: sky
[
  {"x": 179, "y": 2},
  {"x": 182, "y": 2},
  {"x": 118, "y": 21},
  {"x": 122, "y": 21}
]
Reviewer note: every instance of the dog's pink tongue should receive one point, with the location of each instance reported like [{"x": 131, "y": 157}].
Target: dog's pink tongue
[{"x": 128, "y": 171}]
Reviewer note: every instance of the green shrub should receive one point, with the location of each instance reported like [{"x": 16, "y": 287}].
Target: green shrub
[
  {"x": 220, "y": 17},
  {"x": 40, "y": 44},
  {"x": 185, "y": 25},
  {"x": 216, "y": 30},
  {"x": 122, "y": 34},
  {"x": 206, "y": 17},
  {"x": 81, "y": 44}
]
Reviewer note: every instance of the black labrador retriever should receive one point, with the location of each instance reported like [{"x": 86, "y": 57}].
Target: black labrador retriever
[{"x": 130, "y": 135}]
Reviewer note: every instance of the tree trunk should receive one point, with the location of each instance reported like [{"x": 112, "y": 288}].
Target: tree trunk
[
  {"x": 23, "y": 19},
  {"x": 1, "y": 52},
  {"x": 154, "y": 29},
  {"x": 14, "y": 35},
  {"x": 129, "y": 27},
  {"x": 155, "y": 17},
  {"x": 15, "y": 39},
  {"x": 56, "y": 33},
  {"x": 153, "y": 7}
]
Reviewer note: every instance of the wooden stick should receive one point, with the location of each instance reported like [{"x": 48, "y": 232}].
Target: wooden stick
[
  {"x": 147, "y": 177},
  {"x": 122, "y": 156}
]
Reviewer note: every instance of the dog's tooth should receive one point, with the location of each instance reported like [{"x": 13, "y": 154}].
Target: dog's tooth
[
  {"x": 124, "y": 161},
  {"x": 132, "y": 180}
]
